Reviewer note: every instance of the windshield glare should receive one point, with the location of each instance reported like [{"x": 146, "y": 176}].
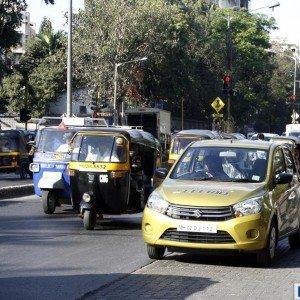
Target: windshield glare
[{"x": 223, "y": 164}]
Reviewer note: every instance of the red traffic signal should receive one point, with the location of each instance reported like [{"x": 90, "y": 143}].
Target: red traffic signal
[
  {"x": 293, "y": 98},
  {"x": 227, "y": 79}
]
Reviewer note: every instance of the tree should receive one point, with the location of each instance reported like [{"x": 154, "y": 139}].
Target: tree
[
  {"x": 42, "y": 71},
  {"x": 10, "y": 19}
]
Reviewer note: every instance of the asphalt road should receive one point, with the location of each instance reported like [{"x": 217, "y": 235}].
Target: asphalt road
[{"x": 53, "y": 257}]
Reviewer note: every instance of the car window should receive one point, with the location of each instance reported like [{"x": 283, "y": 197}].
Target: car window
[
  {"x": 290, "y": 165},
  {"x": 279, "y": 162}
]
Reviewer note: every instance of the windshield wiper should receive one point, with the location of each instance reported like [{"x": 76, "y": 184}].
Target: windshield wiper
[{"x": 243, "y": 180}]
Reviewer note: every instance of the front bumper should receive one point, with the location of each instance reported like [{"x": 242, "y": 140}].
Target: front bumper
[{"x": 248, "y": 233}]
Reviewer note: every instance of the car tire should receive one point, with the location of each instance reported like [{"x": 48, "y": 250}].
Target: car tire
[
  {"x": 265, "y": 257},
  {"x": 89, "y": 219},
  {"x": 155, "y": 252},
  {"x": 49, "y": 202},
  {"x": 294, "y": 240}
]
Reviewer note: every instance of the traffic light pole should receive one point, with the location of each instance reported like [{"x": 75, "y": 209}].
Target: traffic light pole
[{"x": 229, "y": 69}]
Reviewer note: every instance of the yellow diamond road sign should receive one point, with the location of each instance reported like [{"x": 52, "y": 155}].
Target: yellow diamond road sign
[{"x": 217, "y": 104}]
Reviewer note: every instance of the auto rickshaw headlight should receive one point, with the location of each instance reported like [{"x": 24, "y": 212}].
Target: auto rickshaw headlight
[
  {"x": 86, "y": 197},
  {"x": 157, "y": 203},
  {"x": 34, "y": 167},
  {"x": 248, "y": 207}
]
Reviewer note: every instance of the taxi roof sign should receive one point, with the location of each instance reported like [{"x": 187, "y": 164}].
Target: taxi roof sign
[{"x": 217, "y": 104}]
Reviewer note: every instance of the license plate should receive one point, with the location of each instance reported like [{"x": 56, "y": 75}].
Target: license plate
[{"x": 197, "y": 227}]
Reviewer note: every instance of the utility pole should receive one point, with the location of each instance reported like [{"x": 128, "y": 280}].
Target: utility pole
[
  {"x": 228, "y": 73},
  {"x": 69, "y": 64}
]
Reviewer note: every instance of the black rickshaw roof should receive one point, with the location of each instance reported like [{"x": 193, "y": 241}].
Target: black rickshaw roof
[{"x": 137, "y": 136}]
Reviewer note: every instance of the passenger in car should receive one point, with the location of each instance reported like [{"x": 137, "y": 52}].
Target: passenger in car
[{"x": 214, "y": 167}]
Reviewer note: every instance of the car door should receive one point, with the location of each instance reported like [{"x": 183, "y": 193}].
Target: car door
[
  {"x": 294, "y": 198},
  {"x": 283, "y": 194}
]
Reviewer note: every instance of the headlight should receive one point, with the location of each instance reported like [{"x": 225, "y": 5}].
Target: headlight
[
  {"x": 248, "y": 207},
  {"x": 34, "y": 167},
  {"x": 157, "y": 203},
  {"x": 86, "y": 197}
]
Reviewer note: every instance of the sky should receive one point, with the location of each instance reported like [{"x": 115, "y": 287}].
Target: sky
[{"x": 286, "y": 15}]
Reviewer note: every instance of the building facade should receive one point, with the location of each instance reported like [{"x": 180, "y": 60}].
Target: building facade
[
  {"x": 231, "y": 3},
  {"x": 27, "y": 29}
]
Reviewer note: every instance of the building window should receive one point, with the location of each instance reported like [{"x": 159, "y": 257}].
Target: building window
[{"x": 82, "y": 110}]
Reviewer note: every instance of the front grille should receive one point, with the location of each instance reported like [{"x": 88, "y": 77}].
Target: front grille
[
  {"x": 221, "y": 237},
  {"x": 221, "y": 213}
]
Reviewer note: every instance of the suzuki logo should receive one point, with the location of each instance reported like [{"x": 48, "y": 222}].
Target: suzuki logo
[{"x": 198, "y": 213}]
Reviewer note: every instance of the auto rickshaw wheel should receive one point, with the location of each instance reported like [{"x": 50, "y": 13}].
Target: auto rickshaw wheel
[
  {"x": 139, "y": 200},
  {"x": 23, "y": 172},
  {"x": 89, "y": 219},
  {"x": 49, "y": 202}
]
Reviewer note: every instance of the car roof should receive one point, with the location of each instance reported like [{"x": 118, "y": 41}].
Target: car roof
[
  {"x": 263, "y": 145},
  {"x": 197, "y": 132}
]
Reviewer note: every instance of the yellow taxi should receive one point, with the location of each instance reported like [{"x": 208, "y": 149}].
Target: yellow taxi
[{"x": 235, "y": 195}]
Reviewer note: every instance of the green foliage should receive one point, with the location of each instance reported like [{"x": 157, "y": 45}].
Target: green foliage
[
  {"x": 189, "y": 49},
  {"x": 41, "y": 74},
  {"x": 10, "y": 19}
]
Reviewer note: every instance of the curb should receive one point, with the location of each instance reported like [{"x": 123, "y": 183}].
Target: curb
[{"x": 16, "y": 191}]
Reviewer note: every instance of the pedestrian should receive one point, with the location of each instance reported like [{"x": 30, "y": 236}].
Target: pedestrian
[{"x": 261, "y": 136}]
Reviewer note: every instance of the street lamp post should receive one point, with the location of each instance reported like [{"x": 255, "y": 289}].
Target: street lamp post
[
  {"x": 115, "y": 112},
  {"x": 69, "y": 64}
]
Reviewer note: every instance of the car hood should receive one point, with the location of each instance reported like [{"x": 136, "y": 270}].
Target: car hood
[{"x": 208, "y": 193}]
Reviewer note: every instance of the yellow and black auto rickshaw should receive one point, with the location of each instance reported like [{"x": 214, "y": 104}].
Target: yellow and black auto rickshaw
[
  {"x": 13, "y": 153},
  {"x": 111, "y": 171}
]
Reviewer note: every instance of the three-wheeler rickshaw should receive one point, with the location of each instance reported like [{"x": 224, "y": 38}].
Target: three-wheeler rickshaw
[
  {"x": 184, "y": 137},
  {"x": 13, "y": 153},
  {"x": 50, "y": 161},
  {"x": 111, "y": 171}
]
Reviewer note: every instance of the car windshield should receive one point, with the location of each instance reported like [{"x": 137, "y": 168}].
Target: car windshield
[
  {"x": 99, "y": 148},
  {"x": 222, "y": 164},
  {"x": 54, "y": 140}
]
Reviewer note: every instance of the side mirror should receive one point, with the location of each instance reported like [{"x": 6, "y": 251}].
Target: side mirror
[
  {"x": 136, "y": 162},
  {"x": 161, "y": 173},
  {"x": 283, "y": 178},
  {"x": 131, "y": 153}
]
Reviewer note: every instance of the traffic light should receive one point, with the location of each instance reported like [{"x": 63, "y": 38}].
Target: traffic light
[
  {"x": 103, "y": 103},
  {"x": 227, "y": 84},
  {"x": 293, "y": 98},
  {"x": 94, "y": 104},
  {"x": 24, "y": 115}
]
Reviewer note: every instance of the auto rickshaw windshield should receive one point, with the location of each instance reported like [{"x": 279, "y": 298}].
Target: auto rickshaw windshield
[
  {"x": 100, "y": 148},
  {"x": 8, "y": 144},
  {"x": 51, "y": 140}
]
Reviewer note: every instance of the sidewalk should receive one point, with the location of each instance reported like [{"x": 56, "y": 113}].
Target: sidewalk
[{"x": 16, "y": 191}]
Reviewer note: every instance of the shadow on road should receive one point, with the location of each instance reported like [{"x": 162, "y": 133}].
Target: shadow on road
[
  {"x": 285, "y": 258},
  {"x": 113, "y": 286}
]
